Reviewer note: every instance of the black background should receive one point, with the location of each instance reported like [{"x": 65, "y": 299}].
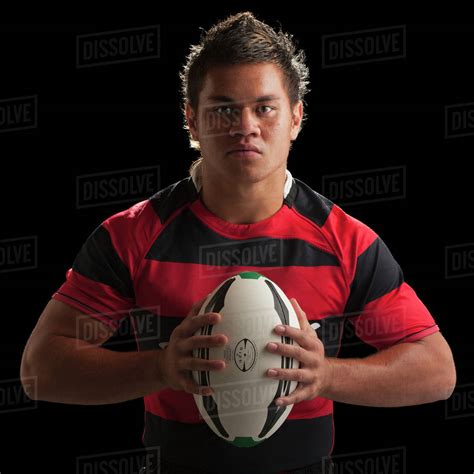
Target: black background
[{"x": 127, "y": 115}]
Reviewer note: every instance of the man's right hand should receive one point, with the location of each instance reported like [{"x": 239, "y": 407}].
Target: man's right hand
[{"x": 177, "y": 360}]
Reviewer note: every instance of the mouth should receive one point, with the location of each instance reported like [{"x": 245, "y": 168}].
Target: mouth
[{"x": 245, "y": 151}]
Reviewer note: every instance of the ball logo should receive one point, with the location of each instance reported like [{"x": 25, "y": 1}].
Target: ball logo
[{"x": 245, "y": 355}]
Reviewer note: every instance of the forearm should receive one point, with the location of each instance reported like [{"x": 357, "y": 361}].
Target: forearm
[
  {"x": 398, "y": 376},
  {"x": 75, "y": 372}
]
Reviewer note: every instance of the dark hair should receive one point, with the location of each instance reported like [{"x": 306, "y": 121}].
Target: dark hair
[{"x": 242, "y": 39}]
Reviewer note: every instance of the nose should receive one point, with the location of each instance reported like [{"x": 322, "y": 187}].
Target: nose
[{"x": 244, "y": 123}]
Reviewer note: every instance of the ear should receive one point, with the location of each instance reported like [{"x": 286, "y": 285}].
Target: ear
[
  {"x": 296, "y": 119},
  {"x": 191, "y": 120}
]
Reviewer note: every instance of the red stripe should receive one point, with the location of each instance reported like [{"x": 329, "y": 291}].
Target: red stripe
[
  {"x": 173, "y": 287},
  {"x": 180, "y": 406}
]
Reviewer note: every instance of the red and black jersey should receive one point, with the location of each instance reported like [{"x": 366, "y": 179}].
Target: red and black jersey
[{"x": 154, "y": 260}]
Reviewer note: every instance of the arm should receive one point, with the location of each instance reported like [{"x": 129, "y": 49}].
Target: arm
[
  {"x": 62, "y": 362},
  {"x": 408, "y": 373}
]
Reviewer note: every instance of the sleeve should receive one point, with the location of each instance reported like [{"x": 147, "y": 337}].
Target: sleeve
[
  {"x": 383, "y": 308},
  {"x": 99, "y": 283}
]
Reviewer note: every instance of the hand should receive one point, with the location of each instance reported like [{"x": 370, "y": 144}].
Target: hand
[
  {"x": 313, "y": 374},
  {"x": 177, "y": 361}
]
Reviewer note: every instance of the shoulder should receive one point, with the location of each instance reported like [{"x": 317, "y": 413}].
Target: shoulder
[
  {"x": 340, "y": 229},
  {"x": 149, "y": 215}
]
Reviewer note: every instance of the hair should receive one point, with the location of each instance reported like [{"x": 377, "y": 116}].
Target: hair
[{"x": 242, "y": 39}]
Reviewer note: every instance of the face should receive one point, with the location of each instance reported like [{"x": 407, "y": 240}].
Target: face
[{"x": 244, "y": 122}]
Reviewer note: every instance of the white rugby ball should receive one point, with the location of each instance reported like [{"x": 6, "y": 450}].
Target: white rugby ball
[{"x": 242, "y": 408}]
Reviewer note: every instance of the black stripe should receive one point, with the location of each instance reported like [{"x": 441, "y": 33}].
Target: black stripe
[
  {"x": 187, "y": 239},
  {"x": 377, "y": 273},
  {"x": 150, "y": 330},
  {"x": 330, "y": 333},
  {"x": 310, "y": 204},
  {"x": 173, "y": 197},
  {"x": 289, "y": 200},
  {"x": 99, "y": 261},
  {"x": 306, "y": 201},
  {"x": 296, "y": 443}
]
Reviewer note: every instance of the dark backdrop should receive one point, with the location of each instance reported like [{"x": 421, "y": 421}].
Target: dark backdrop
[{"x": 390, "y": 113}]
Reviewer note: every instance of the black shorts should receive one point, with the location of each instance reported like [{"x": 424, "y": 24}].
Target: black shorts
[{"x": 321, "y": 467}]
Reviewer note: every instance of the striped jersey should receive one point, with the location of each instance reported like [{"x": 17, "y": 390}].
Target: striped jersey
[{"x": 152, "y": 261}]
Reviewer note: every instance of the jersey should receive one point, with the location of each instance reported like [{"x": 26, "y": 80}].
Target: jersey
[{"x": 152, "y": 261}]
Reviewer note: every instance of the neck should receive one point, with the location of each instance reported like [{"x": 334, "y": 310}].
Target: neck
[{"x": 242, "y": 202}]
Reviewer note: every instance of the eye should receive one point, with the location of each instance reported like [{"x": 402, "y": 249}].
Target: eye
[
  {"x": 223, "y": 110},
  {"x": 265, "y": 109}
]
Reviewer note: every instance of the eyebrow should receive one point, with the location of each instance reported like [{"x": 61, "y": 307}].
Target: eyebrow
[{"x": 225, "y": 99}]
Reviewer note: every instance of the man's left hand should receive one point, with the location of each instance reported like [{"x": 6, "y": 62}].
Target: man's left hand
[{"x": 313, "y": 374}]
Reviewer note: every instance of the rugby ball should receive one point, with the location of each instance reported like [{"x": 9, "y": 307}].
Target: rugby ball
[{"x": 242, "y": 408}]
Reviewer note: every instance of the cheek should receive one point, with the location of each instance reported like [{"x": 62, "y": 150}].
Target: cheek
[{"x": 279, "y": 130}]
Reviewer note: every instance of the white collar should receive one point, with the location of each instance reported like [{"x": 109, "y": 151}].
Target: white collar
[{"x": 196, "y": 177}]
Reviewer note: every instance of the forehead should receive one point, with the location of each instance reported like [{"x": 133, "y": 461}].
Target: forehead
[{"x": 243, "y": 82}]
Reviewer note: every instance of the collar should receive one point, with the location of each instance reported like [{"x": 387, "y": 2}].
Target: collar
[{"x": 196, "y": 177}]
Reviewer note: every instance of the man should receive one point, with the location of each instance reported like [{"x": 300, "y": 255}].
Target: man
[{"x": 243, "y": 89}]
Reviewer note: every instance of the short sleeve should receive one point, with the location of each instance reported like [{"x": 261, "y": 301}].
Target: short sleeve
[
  {"x": 99, "y": 282},
  {"x": 383, "y": 308}
]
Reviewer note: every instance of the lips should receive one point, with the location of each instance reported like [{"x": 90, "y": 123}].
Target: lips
[{"x": 245, "y": 148}]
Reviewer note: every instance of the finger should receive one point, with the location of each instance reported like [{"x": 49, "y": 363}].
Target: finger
[
  {"x": 289, "y": 350},
  {"x": 302, "y": 392},
  {"x": 303, "y": 320},
  {"x": 197, "y": 364},
  {"x": 298, "y": 375},
  {"x": 197, "y": 342},
  {"x": 193, "y": 323},
  {"x": 303, "y": 337}
]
